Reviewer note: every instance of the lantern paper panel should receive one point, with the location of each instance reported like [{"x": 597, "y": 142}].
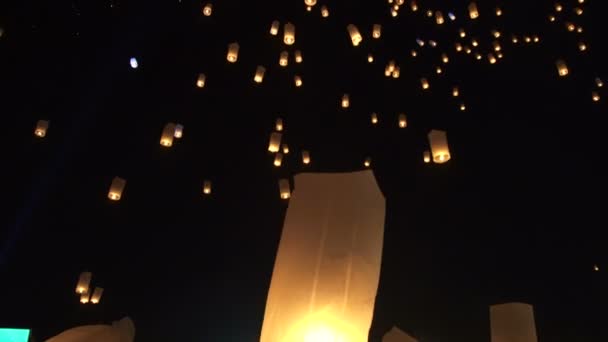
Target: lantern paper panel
[
  {"x": 85, "y": 298},
  {"x": 96, "y": 296},
  {"x": 439, "y": 146},
  {"x": 397, "y": 335},
  {"x": 233, "y": 52},
  {"x": 84, "y": 280},
  {"x": 116, "y": 188},
  {"x": 200, "y": 81},
  {"x": 166, "y": 137},
  {"x": 120, "y": 331},
  {"x": 327, "y": 267},
  {"x": 513, "y": 322},
  {"x": 274, "y": 28},
  {"x": 41, "y": 127}
]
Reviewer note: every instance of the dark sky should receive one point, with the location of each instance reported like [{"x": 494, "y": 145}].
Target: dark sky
[{"x": 516, "y": 215}]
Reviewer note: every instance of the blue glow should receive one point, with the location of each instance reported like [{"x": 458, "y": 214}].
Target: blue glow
[
  {"x": 452, "y": 16},
  {"x": 14, "y": 335},
  {"x": 134, "y": 63}
]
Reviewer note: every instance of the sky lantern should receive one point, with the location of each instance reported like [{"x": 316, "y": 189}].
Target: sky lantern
[
  {"x": 84, "y": 298},
  {"x": 274, "y": 28},
  {"x": 116, "y": 188},
  {"x": 345, "y": 102},
  {"x": 285, "y": 149},
  {"x": 374, "y": 118},
  {"x": 582, "y": 46},
  {"x": 310, "y": 2},
  {"x": 179, "y": 131},
  {"x": 367, "y": 162},
  {"x": 298, "y": 56},
  {"x": 278, "y": 159},
  {"x": 562, "y": 68},
  {"x": 275, "y": 142},
  {"x": 402, "y": 121},
  {"x": 498, "y": 11},
  {"x": 396, "y": 72},
  {"x": 439, "y": 146},
  {"x": 370, "y": 58},
  {"x": 134, "y": 63},
  {"x": 284, "y": 188},
  {"x": 278, "y": 124},
  {"x": 327, "y": 266},
  {"x": 284, "y": 58},
  {"x": 444, "y": 58},
  {"x": 424, "y": 83},
  {"x": 41, "y": 127},
  {"x": 354, "y": 34},
  {"x": 439, "y": 18},
  {"x": 426, "y": 157},
  {"x": 207, "y": 187},
  {"x": 512, "y": 322},
  {"x": 208, "y": 9},
  {"x": 595, "y": 96},
  {"x": 376, "y": 31},
  {"x": 324, "y": 11},
  {"x": 289, "y": 34},
  {"x": 96, "y": 296},
  {"x": 305, "y": 157},
  {"x": 167, "y": 135},
  {"x": 259, "y": 74},
  {"x": 598, "y": 82},
  {"x": 297, "y": 80},
  {"x": 473, "y": 12},
  {"x": 84, "y": 280},
  {"x": 200, "y": 80},
  {"x": 455, "y": 92},
  {"x": 491, "y": 58},
  {"x": 233, "y": 52}
]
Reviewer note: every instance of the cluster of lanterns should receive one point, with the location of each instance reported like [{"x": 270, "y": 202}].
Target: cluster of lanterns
[{"x": 83, "y": 288}]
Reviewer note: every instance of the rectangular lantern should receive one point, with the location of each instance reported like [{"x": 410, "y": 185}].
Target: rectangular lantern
[
  {"x": 297, "y": 80},
  {"x": 455, "y": 92},
  {"x": 374, "y": 118},
  {"x": 402, "y": 121},
  {"x": 84, "y": 280},
  {"x": 285, "y": 149},
  {"x": 284, "y": 58},
  {"x": 233, "y": 52},
  {"x": 426, "y": 156},
  {"x": 367, "y": 162},
  {"x": 179, "y": 131},
  {"x": 208, "y": 10},
  {"x": 377, "y": 31},
  {"x": 298, "y": 56},
  {"x": 305, "y": 157},
  {"x": 275, "y": 142},
  {"x": 345, "y": 103},
  {"x": 473, "y": 12},
  {"x": 207, "y": 187},
  {"x": 284, "y": 188},
  {"x": 278, "y": 159},
  {"x": 116, "y": 188},
  {"x": 278, "y": 125},
  {"x": 200, "y": 81},
  {"x": 354, "y": 34},
  {"x": 327, "y": 266},
  {"x": 289, "y": 34},
  {"x": 166, "y": 137},
  {"x": 41, "y": 127},
  {"x": 324, "y": 11},
  {"x": 85, "y": 298},
  {"x": 96, "y": 296},
  {"x": 439, "y": 18},
  {"x": 562, "y": 68},
  {"x": 513, "y": 322},
  {"x": 259, "y": 74},
  {"x": 274, "y": 28},
  {"x": 439, "y": 146},
  {"x": 424, "y": 83}
]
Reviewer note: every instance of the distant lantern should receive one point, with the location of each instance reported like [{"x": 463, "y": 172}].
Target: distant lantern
[
  {"x": 259, "y": 74},
  {"x": 116, "y": 188},
  {"x": 598, "y": 82},
  {"x": 452, "y": 16},
  {"x": 455, "y": 92},
  {"x": 200, "y": 81},
  {"x": 166, "y": 137},
  {"x": 498, "y": 11},
  {"x": 390, "y": 66},
  {"x": 429, "y": 13},
  {"x": 432, "y": 43},
  {"x": 474, "y": 42},
  {"x": 424, "y": 83},
  {"x": 297, "y": 80},
  {"x": 582, "y": 46},
  {"x": 570, "y": 27},
  {"x": 179, "y": 131},
  {"x": 355, "y": 36},
  {"x": 275, "y": 142},
  {"x": 396, "y": 72},
  {"x": 324, "y": 11},
  {"x": 305, "y": 157},
  {"x": 462, "y": 107},
  {"x": 402, "y": 121},
  {"x": 462, "y": 33},
  {"x": 284, "y": 58},
  {"x": 84, "y": 298},
  {"x": 438, "y": 70},
  {"x": 370, "y": 58},
  {"x": 473, "y": 12},
  {"x": 514, "y": 39},
  {"x": 374, "y": 118},
  {"x": 310, "y": 2},
  {"x": 376, "y": 31},
  {"x": 439, "y": 146},
  {"x": 345, "y": 102},
  {"x": 414, "y": 53},
  {"x": 134, "y": 63},
  {"x": 41, "y": 127},
  {"x": 458, "y": 47},
  {"x": 414, "y": 6},
  {"x": 439, "y": 18},
  {"x": 491, "y": 58},
  {"x": 478, "y": 56},
  {"x": 562, "y": 68},
  {"x": 284, "y": 188},
  {"x": 96, "y": 296},
  {"x": 289, "y": 34},
  {"x": 426, "y": 157},
  {"x": 285, "y": 149},
  {"x": 551, "y": 18},
  {"x": 278, "y": 159},
  {"x": 394, "y": 12},
  {"x": 388, "y": 71},
  {"x": 497, "y": 47},
  {"x": 83, "y": 282},
  {"x": 496, "y": 33},
  {"x": 558, "y": 7},
  {"x": 578, "y": 11},
  {"x": 595, "y": 96},
  {"x": 278, "y": 124},
  {"x": 208, "y": 9},
  {"x": 233, "y": 52},
  {"x": 298, "y": 56},
  {"x": 444, "y": 58},
  {"x": 367, "y": 162},
  {"x": 274, "y": 28},
  {"x": 207, "y": 187},
  {"x": 596, "y": 268}
]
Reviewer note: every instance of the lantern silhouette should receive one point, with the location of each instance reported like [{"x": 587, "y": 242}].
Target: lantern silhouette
[
  {"x": 305, "y": 157},
  {"x": 473, "y": 12},
  {"x": 259, "y": 74},
  {"x": 96, "y": 296},
  {"x": 166, "y": 137},
  {"x": 208, "y": 9},
  {"x": 284, "y": 59},
  {"x": 289, "y": 34},
  {"x": 512, "y": 322},
  {"x": 562, "y": 68},
  {"x": 274, "y": 28},
  {"x": 233, "y": 52},
  {"x": 376, "y": 31},
  {"x": 439, "y": 146},
  {"x": 84, "y": 280},
  {"x": 284, "y": 188},
  {"x": 116, "y": 188},
  {"x": 41, "y": 127},
  {"x": 275, "y": 142},
  {"x": 402, "y": 121},
  {"x": 200, "y": 81},
  {"x": 354, "y": 34},
  {"x": 207, "y": 187}
]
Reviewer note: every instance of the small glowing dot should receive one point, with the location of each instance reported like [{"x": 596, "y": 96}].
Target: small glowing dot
[
  {"x": 558, "y": 7},
  {"x": 134, "y": 63},
  {"x": 551, "y": 18}
]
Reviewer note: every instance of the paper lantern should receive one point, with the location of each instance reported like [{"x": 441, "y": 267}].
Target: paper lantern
[
  {"x": 390, "y": 66},
  {"x": 424, "y": 83},
  {"x": 582, "y": 46},
  {"x": 200, "y": 81},
  {"x": 297, "y": 80},
  {"x": 284, "y": 58},
  {"x": 491, "y": 58},
  {"x": 498, "y": 11},
  {"x": 388, "y": 71},
  {"x": 327, "y": 266},
  {"x": 414, "y": 53},
  {"x": 96, "y": 296},
  {"x": 462, "y": 107},
  {"x": 444, "y": 58},
  {"x": 116, "y": 188},
  {"x": 274, "y": 28},
  {"x": 278, "y": 159},
  {"x": 285, "y": 149},
  {"x": 374, "y": 118},
  {"x": 512, "y": 322},
  {"x": 397, "y": 335},
  {"x": 289, "y": 34},
  {"x": 578, "y": 11},
  {"x": 595, "y": 96},
  {"x": 439, "y": 18},
  {"x": 41, "y": 127},
  {"x": 324, "y": 11},
  {"x": 496, "y": 33},
  {"x": 376, "y": 32},
  {"x": 355, "y": 36},
  {"x": 284, "y": 188},
  {"x": 414, "y": 6},
  {"x": 345, "y": 103},
  {"x": 473, "y": 12},
  {"x": 370, "y": 58},
  {"x": 367, "y": 162},
  {"x": 397, "y": 72},
  {"x": 562, "y": 68},
  {"x": 259, "y": 74},
  {"x": 208, "y": 9},
  {"x": 438, "y": 70},
  {"x": 233, "y": 52},
  {"x": 298, "y": 56},
  {"x": 496, "y": 46},
  {"x": 458, "y": 47},
  {"x": 134, "y": 63},
  {"x": 402, "y": 121},
  {"x": 310, "y": 2},
  {"x": 278, "y": 124},
  {"x": 275, "y": 142},
  {"x": 439, "y": 146},
  {"x": 455, "y": 92},
  {"x": 426, "y": 157},
  {"x": 207, "y": 187},
  {"x": 84, "y": 280},
  {"x": 305, "y": 157},
  {"x": 179, "y": 131},
  {"x": 166, "y": 137},
  {"x": 598, "y": 82},
  {"x": 84, "y": 298},
  {"x": 394, "y": 12}
]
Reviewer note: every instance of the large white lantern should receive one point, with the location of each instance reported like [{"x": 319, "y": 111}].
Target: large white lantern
[{"x": 439, "y": 146}]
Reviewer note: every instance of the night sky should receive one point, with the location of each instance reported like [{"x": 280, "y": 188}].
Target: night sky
[{"x": 517, "y": 214}]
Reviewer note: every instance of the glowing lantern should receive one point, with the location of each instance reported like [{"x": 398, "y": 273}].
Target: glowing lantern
[
  {"x": 514, "y": 39},
  {"x": 473, "y": 12},
  {"x": 558, "y": 7},
  {"x": 298, "y": 56},
  {"x": 596, "y": 268},
  {"x": 458, "y": 47},
  {"x": 578, "y": 11},
  {"x": 432, "y": 43},
  {"x": 414, "y": 6},
  {"x": 376, "y": 32},
  {"x": 274, "y": 28},
  {"x": 259, "y": 74},
  {"x": 595, "y": 96},
  {"x": 497, "y": 47},
  {"x": 390, "y": 66},
  {"x": 179, "y": 131},
  {"x": 297, "y": 80},
  {"x": 285, "y": 149},
  {"x": 41, "y": 127},
  {"x": 496, "y": 33},
  {"x": 96, "y": 297},
  {"x": 491, "y": 58},
  {"x": 513, "y": 322},
  {"x": 478, "y": 56},
  {"x": 414, "y": 53},
  {"x": 278, "y": 125},
  {"x": 278, "y": 159},
  {"x": 370, "y": 58},
  {"x": 284, "y": 58},
  {"x": 463, "y": 107},
  {"x": 424, "y": 83},
  {"x": 275, "y": 142},
  {"x": 305, "y": 157},
  {"x": 438, "y": 70},
  {"x": 426, "y": 157},
  {"x": 367, "y": 162},
  {"x": 498, "y": 11},
  {"x": 570, "y": 26},
  {"x": 345, "y": 101},
  {"x": 439, "y": 146},
  {"x": 582, "y": 46},
  {"x": 429, "y": 13},
  {"x": 324, "y": 11},
  {"x": 444, "y": 58},
  {"x": 84, "y": 298},
  {"x": 208, "y": 9},
  {"x": 474, "y": 42},
  {"x": 374, "y": 118},
  {"x": 439, "y": 18},
  {"x": 83, "y": 282},
  {"x": 402, "y": 121},
  {"x": 284, "y": 188},
  {"x": 598, "y": 82},
  {"x": 310, "y": 2},
  {"x": 200, "y": 81},
  {"x": 394, "y": 12},
  {"x": 233, "y": 52},
  {"x": 166, "y": 137},
  {"x": 462, "y": 33},
  {"x": 133, "y": 62},
  {"x": 116, "y": 188},
  {"x": 355, "y": 36},
  {"x": 551, "y": 18},
  {"x": 396, "y": 72},
  {"x": 207, "y": 187},
  {"x": 455, "y": 92},
  {"x": 289, "y": 34},
  {"x": 562, "y": 68}
]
